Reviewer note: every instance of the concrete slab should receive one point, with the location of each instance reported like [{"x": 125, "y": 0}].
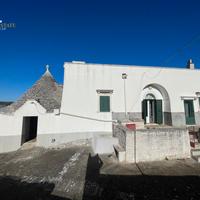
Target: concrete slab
[
  {"x": 170, "y": 168},
  {"x": 73, "y": 171}
]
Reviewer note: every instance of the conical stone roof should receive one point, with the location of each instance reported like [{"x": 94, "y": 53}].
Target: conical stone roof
[{"x": 46, "y": 91}]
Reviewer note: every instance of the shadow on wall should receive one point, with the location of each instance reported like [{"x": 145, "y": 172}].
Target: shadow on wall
[
  {"x": 12, "y": 188},
  {"x": 117, "y": 187}
]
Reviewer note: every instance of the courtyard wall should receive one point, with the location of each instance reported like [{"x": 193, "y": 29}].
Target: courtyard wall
[{"x": 153, "y": 144}]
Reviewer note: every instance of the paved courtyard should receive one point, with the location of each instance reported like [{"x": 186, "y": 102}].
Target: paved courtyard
[{"x": 74, "y": 172}]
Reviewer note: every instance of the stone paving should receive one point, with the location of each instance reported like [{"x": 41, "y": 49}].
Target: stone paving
[{"x": 73, "y": 172}]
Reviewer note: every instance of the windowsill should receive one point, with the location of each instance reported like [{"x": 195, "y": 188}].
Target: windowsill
[{"x": 104, "y": 112}]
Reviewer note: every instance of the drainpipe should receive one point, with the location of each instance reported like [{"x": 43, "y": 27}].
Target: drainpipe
[{"x": 124, "y": 77}]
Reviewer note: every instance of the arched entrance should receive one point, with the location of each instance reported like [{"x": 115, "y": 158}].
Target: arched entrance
[{"x": 156, "y": 105}]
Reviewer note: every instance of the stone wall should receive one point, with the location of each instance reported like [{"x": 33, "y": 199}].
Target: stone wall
[
  {"x": 120, "y": 116},
  {"x": 176, "y": 119},
  {"x": 120, "y": 132},
  {"x": 153, "y": 144},
  {"x": 158, "y": 144}
]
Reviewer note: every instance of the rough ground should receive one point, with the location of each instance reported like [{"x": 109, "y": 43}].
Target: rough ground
[{"x": 73, "y": 172}]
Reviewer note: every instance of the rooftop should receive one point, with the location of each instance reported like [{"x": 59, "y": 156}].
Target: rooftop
[
  {"x": 46, "y": 91},
  {"x": 189, "y": 65}
]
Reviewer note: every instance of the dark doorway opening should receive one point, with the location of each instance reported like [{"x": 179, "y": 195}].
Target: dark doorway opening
[
  {"x": 152, "y": 111},
  {"x": 29, "y": 129}
]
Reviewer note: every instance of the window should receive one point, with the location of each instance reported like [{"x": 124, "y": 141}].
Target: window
[
  {"x": 104, "y": 103},
  {"x": 189, "y": 112},
  {"x": 104, "y": 96}
]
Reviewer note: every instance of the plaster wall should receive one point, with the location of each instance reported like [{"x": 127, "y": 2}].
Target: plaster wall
[
  {"x": 11, "y": 125},
  {"x": 82, "y": 80},
  {"x": 53, "y": 129},
  {"x": 62, "y": 129},
  {"x": 153, "y": 144},
  {"x": 10, "y": 139},
  {"x": 7, "y": 125},
  {"x": 159, "y": 144}
]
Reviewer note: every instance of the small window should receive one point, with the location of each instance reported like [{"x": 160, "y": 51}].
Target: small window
[{"x": 104, "y": 103}]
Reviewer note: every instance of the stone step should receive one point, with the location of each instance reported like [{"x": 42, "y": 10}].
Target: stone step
[
  {"x": 196, "y": 158},
  {"x": 195, "y": 152},
  {"x": 28, "y": 145},
  {"x": 197, "y": 146},
  {"x": 120, "y": 153}
]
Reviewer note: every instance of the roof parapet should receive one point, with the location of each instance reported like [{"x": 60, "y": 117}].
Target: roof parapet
[{"x": 78, "y": 62}]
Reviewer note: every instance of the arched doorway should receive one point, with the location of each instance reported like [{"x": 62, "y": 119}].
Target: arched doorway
[
  {"x": 152, "y": 109},
  {"x": 156, "y": 105}
]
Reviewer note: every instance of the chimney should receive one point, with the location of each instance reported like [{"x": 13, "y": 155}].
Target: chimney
[{"x": 190, "y": 65}]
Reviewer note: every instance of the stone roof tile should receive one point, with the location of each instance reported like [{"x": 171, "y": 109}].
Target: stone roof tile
[{"x": 46, "y": 91}]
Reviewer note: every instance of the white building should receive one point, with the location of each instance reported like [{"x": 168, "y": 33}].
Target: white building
[
  {"x": 158, "y": 95},
  {"x": 93, "y": 96}
]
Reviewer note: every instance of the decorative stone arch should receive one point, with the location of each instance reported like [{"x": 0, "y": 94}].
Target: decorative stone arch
[
  {"x": 150, "y": 96},
  {"x": 159, "y": 93}
]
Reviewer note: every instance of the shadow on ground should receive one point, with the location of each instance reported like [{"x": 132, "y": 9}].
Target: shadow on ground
[
  {"x": 100, "y": 186},
  {"x": 12, "y": 188},
  {"x": 115, "y": 187}
]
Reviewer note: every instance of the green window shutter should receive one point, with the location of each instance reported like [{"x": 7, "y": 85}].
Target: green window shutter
[
  {"x": 159, "y": 113},
  {"x": 144, "y": 110},
  {"x": 104, "y": 103},
  {"x": 189, "y": 112}
]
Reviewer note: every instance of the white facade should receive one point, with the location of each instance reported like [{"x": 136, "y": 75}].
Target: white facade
[
  {"x": 173, "y": 86},
  {"x": 79, "y": 116}
]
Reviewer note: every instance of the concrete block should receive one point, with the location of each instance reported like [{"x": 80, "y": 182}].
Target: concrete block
[
  {"x": 154, "y": 144},
  {"x": 120, "y": 153},
  {"x": 103, "y": 144},
  {"x": 195, "y": 152},
  {"x": 196, "y": 158}
]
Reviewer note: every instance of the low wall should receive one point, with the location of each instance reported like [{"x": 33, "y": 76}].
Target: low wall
[
  {"x": 153, "y": 144},
  {"x": 54, "y": 139},
  {"x": 158, "y": 144}
]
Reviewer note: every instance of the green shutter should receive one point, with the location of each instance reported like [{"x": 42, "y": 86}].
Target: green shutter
[
  {"x": 104, "y": 103},
  {"x": 158, "y": 112},
  {"x": 144, "y": 110},
  {"x": 189, "y": 112}
]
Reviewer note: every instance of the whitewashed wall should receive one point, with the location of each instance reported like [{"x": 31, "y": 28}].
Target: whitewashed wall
[
  {"x": 80, "y": 117},
  {"x": 53, "y": 128},
  {"x": 159, "y": 144},
  {"x": 82, "y": 80},
  {"x": 11, "y": 125},
  {"x": 9, "y": 134},
  {"x": 153, "y": 144}
]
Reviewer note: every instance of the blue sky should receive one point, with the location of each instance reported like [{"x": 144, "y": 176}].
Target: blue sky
[{"x": 138, "y": 32}]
